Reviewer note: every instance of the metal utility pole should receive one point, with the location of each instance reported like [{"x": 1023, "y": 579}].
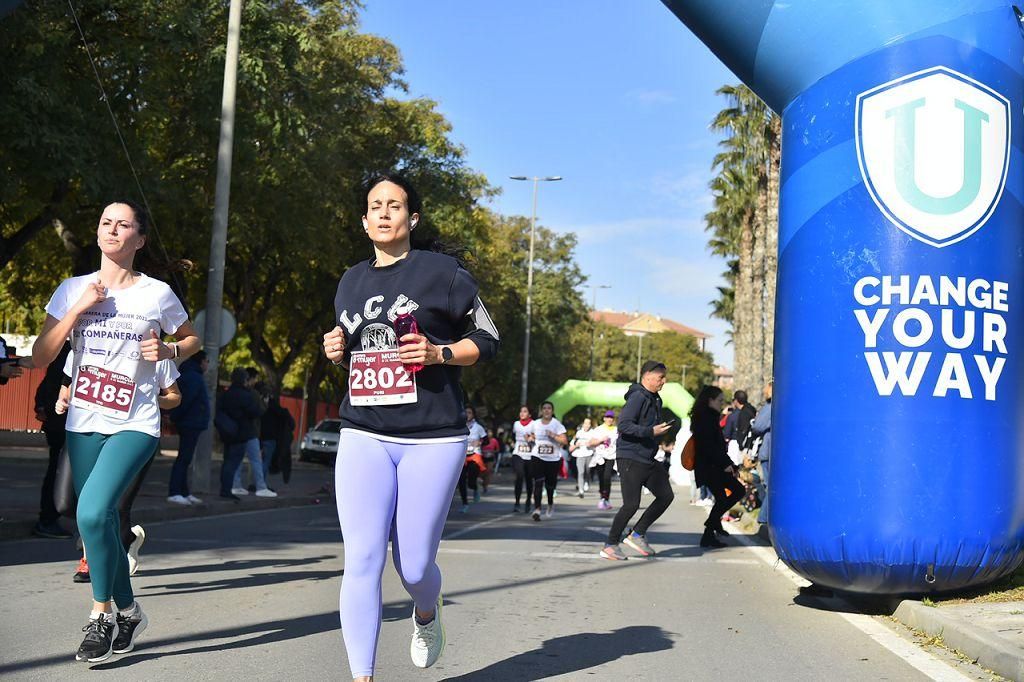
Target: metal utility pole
[
  {"x": 529, "y": 282},
  {"x": 593, "y": 326},
  {"x": 218, "y": 244}
]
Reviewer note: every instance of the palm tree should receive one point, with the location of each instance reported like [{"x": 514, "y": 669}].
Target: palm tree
[{"x": 744, "y": 228}]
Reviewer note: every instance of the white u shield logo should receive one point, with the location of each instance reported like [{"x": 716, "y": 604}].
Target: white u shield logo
[{"x": 933, "y": 149}]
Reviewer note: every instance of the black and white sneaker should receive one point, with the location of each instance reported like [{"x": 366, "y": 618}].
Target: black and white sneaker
[
  {"x": 99, "y": 639},
  {"x": 129, "y": 627}
]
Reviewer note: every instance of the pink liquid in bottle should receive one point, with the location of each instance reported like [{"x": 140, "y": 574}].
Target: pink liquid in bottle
[{"x": 406, "y": 324}]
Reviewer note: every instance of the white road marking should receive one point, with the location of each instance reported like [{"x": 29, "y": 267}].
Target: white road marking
[
  {"x": 923, "y": 661},
  {"x": 476, "y": 526}
]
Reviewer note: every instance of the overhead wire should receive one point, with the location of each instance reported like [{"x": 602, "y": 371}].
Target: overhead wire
[{"x": 124, "y": 145}]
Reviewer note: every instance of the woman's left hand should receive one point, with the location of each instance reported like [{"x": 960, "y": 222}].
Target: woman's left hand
[
  {"x": 154, "y": 350},
  {"x": 416, "y": 349}
]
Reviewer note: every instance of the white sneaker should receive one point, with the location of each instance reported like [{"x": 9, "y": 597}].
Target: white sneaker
[
  {"x": 239, "y": 491},
  {"x": 266, "y": 492},
  {"x": 178, "y": 499},
  {"x": 133, "y": 549},
  {"x": 192, "y": 499},
  {"x": 427, "y": 640},
  {"x": 586, "y": 487},
  {"x": 549, "y": 512}
]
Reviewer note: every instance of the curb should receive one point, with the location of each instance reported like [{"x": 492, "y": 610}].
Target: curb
[
  {"x": 21, "y": 529},
  {"x": 990, "y": 651}
]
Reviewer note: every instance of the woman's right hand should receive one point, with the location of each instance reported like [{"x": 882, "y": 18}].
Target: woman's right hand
[
  {"x": 94, "y": 293},
  {"x": 334, "y": 345}
]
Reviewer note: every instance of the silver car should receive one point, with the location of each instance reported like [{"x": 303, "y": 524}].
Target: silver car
[{"x": 321, "y": 442}]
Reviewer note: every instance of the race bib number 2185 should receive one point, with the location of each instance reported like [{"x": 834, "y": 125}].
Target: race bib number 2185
[{"x": 100, "y": 390}]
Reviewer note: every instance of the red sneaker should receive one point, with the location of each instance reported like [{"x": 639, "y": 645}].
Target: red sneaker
[{"x": 82, "y": 572}]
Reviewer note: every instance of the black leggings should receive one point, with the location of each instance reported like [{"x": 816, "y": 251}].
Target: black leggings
[
  {"x": 520, "y": 467},
  {"x": 604, "y": 477},
  {"x": 124, "y": 509},
  {"x": 728, "y": 492},
  {"x": 467, "y": 479},
  {"x": 634, "y": 476},
  {"x": 545, "y": 475}
]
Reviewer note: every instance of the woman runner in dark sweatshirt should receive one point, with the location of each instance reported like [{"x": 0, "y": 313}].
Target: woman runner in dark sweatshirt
[{"x": 403, "y": 436}]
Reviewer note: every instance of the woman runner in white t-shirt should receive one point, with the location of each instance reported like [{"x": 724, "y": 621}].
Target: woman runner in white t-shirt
[
  {"x": 114, "y": 319},
  {"x": 521, "y": 455},
  {"x": 580, "y": 449},
  {"x": 549, "y": 439}
]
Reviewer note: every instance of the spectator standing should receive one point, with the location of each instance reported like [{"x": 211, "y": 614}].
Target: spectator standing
[
  {"x": 240, "y": 405},
  {"x": 712, "y": 466},
  {"x": 276, "y": 429},
  {"x": 54, "y": 427},
  {"x": 762, "y": 426},
  {"x": 252, "y": 444},
  {"x": 191, "y": 417}
]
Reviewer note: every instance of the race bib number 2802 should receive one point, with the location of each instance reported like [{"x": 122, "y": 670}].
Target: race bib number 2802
[
  {"x": 100, "y": 390},
  {"x": 378, "y": 377}
]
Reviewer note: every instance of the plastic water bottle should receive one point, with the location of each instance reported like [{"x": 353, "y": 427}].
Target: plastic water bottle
[{"x": 406, "y": 324}]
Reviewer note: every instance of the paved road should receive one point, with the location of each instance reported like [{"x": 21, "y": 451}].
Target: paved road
[{"x": 255, "y": 595}]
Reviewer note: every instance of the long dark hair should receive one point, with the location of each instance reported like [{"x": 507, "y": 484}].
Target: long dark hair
[
  {"x": 420, "y": 239},
  {"x": 701, "y": 411},
  {"x": 145, "y": 260}
]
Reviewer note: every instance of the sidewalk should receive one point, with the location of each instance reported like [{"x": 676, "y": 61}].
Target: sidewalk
[{"x": 22, "y": 470}]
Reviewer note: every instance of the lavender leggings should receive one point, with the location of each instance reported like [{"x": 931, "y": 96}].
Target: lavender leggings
[{"x": 390, "y": 491}]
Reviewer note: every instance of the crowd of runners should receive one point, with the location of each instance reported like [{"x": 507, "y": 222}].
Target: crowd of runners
[{"x": 408, "y": 320}]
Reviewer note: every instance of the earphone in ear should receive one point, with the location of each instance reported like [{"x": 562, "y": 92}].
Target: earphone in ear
[{"x": 413, "y": 222}]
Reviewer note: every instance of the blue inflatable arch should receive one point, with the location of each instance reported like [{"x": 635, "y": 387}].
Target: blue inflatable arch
[{"x": 901, "y": 256}]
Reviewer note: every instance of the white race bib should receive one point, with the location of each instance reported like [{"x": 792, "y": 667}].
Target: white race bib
[
  {"x": 378, "y": 377},
  {"x": 103, "y": 391}
]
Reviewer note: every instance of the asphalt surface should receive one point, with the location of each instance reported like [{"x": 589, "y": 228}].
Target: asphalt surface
[{"x": 255, "y": 595}]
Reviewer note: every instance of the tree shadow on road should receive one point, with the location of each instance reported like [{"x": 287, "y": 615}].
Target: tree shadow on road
[
  {"x": 241, "y": 583},
  {"x": 573, "y": 653},
  {"x": 235, "y": 565}
]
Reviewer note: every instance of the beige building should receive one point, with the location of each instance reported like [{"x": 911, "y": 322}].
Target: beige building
[{"x": 640, "y": 324}]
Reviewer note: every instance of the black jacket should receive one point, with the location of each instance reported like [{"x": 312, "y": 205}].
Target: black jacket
[
  {"x": 193, "y": 413},
  {"x": 637, "y": 419},
  {"x": 743, "y": 420},
  {"x": 242, "y": 405},
  {"x": 712, "y": 456}
]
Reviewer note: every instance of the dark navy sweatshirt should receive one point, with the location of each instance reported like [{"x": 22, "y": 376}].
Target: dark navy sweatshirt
[{"x": 444, "y": 299}]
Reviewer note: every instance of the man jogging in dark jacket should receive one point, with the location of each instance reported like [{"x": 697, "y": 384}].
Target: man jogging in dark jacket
[{"x": 640, "y": 427}]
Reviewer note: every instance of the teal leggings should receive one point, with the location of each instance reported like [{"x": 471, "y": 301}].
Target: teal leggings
[{"x": 103, "y": 467}]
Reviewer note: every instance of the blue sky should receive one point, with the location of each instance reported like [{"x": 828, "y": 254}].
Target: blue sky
[{"x": 615, "y": 97}]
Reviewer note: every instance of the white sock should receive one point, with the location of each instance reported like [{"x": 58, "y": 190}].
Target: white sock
[
  {"x": 131, "y": 610},
  {"x": 96, "y": 614}
]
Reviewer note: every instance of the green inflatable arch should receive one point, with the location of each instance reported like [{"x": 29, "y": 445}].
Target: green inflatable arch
[{"x": 601, "y": 393}]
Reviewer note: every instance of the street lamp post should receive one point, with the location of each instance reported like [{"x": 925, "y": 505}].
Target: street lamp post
[
  {"x": 593, "y": 326},
  {"x": 529, "y": 281}
]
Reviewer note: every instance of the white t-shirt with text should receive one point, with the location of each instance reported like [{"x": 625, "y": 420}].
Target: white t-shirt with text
[
  {"x": 112, "y": 388},
  {"x": 477, "y": 434},
  {"x": 523, "y": 447},
  {"x": 545, "y": 447}
]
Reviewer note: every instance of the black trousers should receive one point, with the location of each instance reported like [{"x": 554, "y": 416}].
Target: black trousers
[
  {"x": 521, "y": 466},
  {"x": 55, "y": 438},
  {"x": 604, "y": 478},
  {"x": 467, "y": 480},
  {"x": 728, "y": 492},
  {"x": 634, "y": 477},
  {"x": 545, "y": 475},
  {"x": 124, "y": 509}
]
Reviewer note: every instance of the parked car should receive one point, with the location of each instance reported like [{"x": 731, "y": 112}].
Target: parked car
[{"x": 320, "y": 443}]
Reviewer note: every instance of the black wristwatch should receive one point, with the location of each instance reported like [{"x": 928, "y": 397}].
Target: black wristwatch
[{"x": 446, "y": 355}]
